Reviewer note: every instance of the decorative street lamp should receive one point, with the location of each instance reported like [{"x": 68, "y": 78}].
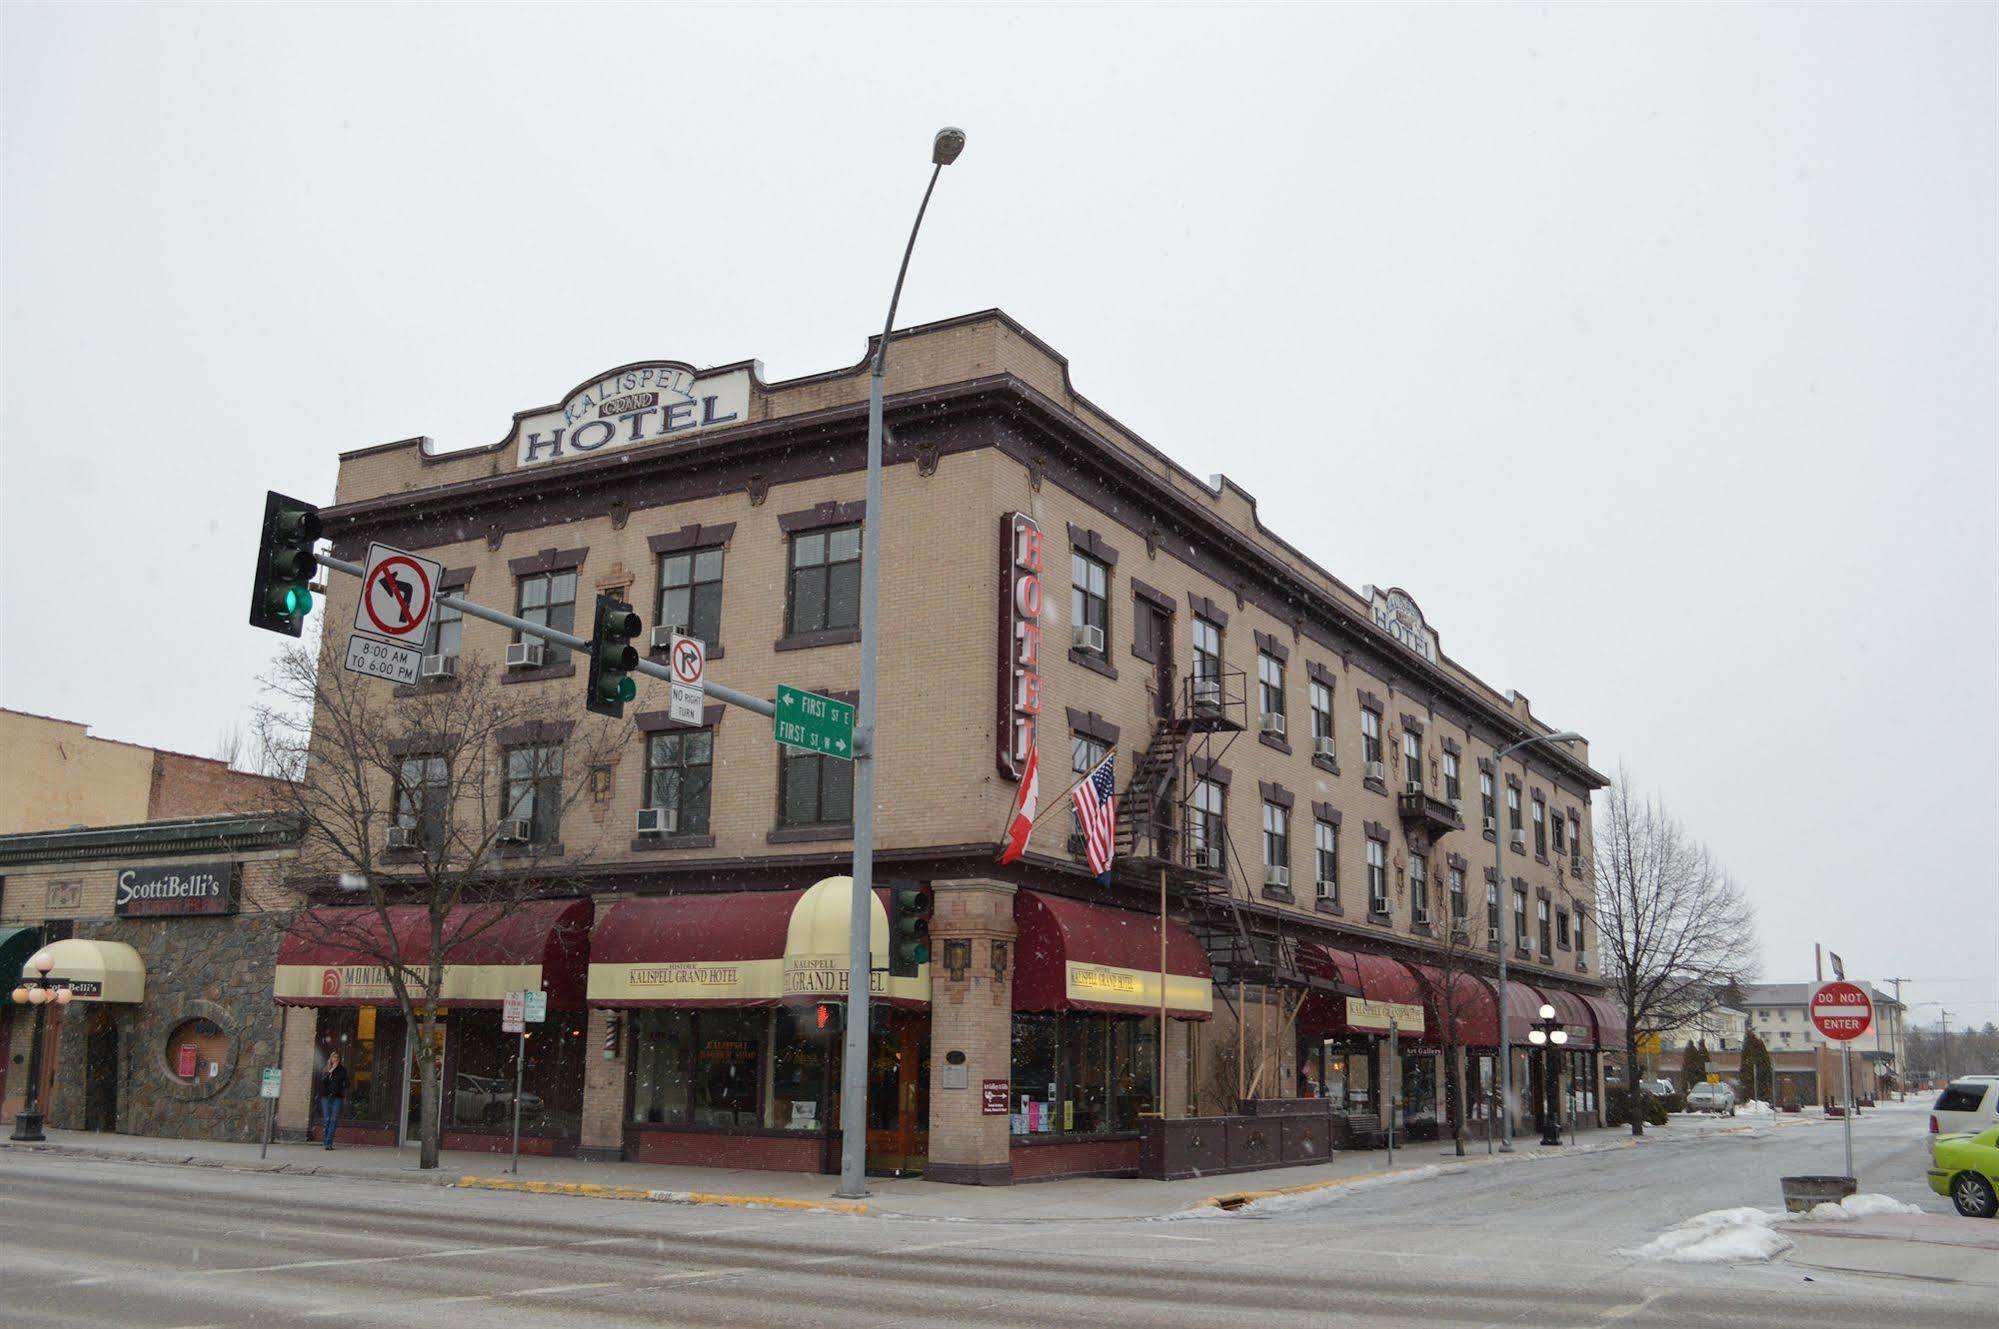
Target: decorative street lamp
[
  {"x": 1547, "y": 1033},
  {"x": 41, "y": 992}
]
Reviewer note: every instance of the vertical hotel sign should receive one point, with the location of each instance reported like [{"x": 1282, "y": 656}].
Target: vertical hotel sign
[{"x": 1020, "y": 641}]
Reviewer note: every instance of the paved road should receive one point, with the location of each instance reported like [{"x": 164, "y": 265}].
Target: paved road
[{"x": 87, "y": 1243}]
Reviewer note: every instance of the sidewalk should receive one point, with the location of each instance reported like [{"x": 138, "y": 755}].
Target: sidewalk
[
  {"x": 1937, "y": 1247},
  {"x": 1081, "y": 1198}
]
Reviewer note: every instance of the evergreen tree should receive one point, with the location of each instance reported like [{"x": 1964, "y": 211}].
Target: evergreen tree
[
  {"x": 1758, "y": 1076},
  {"x": 1693, "y": 1067}
]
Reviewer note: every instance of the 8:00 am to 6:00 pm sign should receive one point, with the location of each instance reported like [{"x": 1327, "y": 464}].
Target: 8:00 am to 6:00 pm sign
[{"x": 807, "y": 720}]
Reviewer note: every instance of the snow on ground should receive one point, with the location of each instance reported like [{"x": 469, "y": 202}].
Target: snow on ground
[
  {"x": 1858, "y": 1206},
  {"x": 1720, "y": 1236},
  {"x": 1756, "y": 1107}
]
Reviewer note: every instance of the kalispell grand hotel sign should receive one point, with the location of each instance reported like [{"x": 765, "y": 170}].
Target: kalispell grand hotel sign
[{"x": 640, "y": 403}]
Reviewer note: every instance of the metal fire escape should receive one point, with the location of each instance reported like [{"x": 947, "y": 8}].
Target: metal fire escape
[{"x": 1161, "y": 828}]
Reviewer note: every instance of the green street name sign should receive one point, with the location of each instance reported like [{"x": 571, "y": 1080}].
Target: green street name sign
[{"x": 815, "y": 723}]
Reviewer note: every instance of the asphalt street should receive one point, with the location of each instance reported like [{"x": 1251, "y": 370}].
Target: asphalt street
[{"x": 1544, "y": 1243}]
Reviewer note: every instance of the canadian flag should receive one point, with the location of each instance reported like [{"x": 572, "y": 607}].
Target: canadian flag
[{"x": 1024, "y": 804}]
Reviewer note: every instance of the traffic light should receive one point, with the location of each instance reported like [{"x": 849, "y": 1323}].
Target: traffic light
[
  {"x": 827, "y": 1017},
  {"x": 909, "y": 907},
  {"x": 282, "y": 596},
  {"x": 613, "y": 657}
]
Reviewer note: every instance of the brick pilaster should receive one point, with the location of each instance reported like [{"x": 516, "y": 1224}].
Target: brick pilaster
[
  {"x": 972, "y": 954},
  {"x": 603, "y": 1134}
]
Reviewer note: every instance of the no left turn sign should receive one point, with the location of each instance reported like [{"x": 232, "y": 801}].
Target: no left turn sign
[{"x": 397, "y": 594}]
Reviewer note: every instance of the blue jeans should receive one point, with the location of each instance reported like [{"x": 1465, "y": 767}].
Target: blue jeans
[{"x": 329, "y": 1108}]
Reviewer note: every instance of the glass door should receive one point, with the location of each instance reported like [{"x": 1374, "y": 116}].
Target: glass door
[{"x": 898, "y": 1094}]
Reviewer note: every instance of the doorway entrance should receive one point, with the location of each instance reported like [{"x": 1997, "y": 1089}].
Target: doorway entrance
[
  {"x": 100, "y": 1072},
  {"x": 898, "y": 1094}
]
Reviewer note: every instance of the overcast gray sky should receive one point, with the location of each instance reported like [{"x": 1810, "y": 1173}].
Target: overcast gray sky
[{"x": 1651, "y": 350}]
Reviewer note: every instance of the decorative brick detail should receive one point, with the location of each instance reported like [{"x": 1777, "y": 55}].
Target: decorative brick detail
[{"x": 971, "y": 1014}]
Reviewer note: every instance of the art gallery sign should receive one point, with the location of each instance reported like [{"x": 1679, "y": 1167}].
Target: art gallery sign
[{"x": 630, "y": 406}]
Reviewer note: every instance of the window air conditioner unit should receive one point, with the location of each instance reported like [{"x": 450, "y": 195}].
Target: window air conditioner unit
[
  {"x": 1487, "y": 824},
  {"x": 1275, "y": 874},
  {"x": 658, "y": 821},
  {"x": 1207, "y": 694},
  {"x": 1273, "y": 723},
  {"x": 1088, "y": 637},
  {"x": 1576, "y": 865},
  {"x": 1492, "y": 936},
  {"x": 1415, "y": 786},
  {"x": 438, "y": 666},
  {"x": 401, "y": 837},
  {"x": 1459, "y": 937},
  {"x": 515, "y": 830},
  {"x": 1519, "y": 839},
  {"x": 524, "y": 654},
  {"x": 1208, "y": 856},
  {"x": 662, "y": 636},
  {"x": 1457, "y": 804},
  {"x": 1376, "y": 771},
  {"x": 1328, "y": 890},
  {"x": 1421, "y": 916},
  {"x": 1323, "y": 747}
]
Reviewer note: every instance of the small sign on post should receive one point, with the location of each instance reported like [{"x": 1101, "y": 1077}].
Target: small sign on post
[
  {"x": 688, "y": 659},
  {"x": 812, "y": 722},
  {"x": 268, "y": 1089},
  {"x": 534, "y": 1006},
  {"x": 1843, "y": 1012},
  {"x": 513, "y": 1012}
]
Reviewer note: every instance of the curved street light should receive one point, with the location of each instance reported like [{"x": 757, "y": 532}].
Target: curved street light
[
  {"x": 1547, "y": 1033},
  {"x": 41, "y": 992}
]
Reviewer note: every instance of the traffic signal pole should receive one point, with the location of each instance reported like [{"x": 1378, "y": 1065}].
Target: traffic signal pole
[{"x": 567, "y": 640}]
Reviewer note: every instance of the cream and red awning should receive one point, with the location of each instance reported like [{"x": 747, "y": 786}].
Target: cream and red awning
[
  {"x": 1072, "y": 955},
  {"x": 93, "y": 970},
  {"x": 1387, "y": 990},
  {"x": 336, "y": 956},
  {"x": 754, "y": 948}
]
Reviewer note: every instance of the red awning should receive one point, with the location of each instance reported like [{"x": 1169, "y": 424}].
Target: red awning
[
  {"x": 1609, "y": 1019},
  {"x": 692, "y": 950},
  {"x": 1575, "y": 1015},
  {"x": 1077, "y": 956},
  {"x": 1374, "y": 977},
  {"x": 1473, "y": 1005},
  {"x": 1523, "y": 1008},
  {"x": 333, "y": 955}
]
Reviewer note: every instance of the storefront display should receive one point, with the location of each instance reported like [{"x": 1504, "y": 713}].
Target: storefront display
[{"x": 1082, "y": 1073}]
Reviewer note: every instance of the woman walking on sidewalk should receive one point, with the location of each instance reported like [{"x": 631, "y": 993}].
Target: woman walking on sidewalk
[{"x": 332, "y": 1093}]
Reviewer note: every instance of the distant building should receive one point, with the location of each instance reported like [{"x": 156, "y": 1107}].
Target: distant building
[
  {"x": 59, "y": 776},
  {"x": 1806, "y": 1065}
]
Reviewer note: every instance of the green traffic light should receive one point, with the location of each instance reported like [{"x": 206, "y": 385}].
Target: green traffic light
[
  {"x": 921, "y": 953},
  {"x": 627, "y": 689},
  {"x": 297, "y": 601}
]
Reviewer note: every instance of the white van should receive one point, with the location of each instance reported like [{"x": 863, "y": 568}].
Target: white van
[{"x": 1968, "y": 1103}]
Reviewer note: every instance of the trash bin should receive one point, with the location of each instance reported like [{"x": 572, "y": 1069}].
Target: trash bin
[{"x": 1803, "y": 1194}]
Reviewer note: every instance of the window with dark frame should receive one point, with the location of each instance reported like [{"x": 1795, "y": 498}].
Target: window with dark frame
[
  {"x": 1370, "y": 737},
  {"x": 1561, "y": 839},
  {"x": 1269, "y": 683},
  {"x": 814, "y": 789},
  {"x": 1579, "y": 931},
  {"x": 423, "y": 799},
  {"x": 1562, "y": 928},
  {"x": 1210, "y": 817},
  {"x": 1492, "y": 912},
  {"x": 1520, "y": 919},
  {"x": 534, "y": 789},
  {"x": 1412, "y": 760},
  {"x": 1082, "y": 1072},
  {"x": 1452, "y": 791},
  {"x": 1089, "y": 602},
  {"x": 1540, "y": 828},
  {"x": 1487, "y": 809},
  {"x": 1377, "y": 877},
  {"x": 1322, "y": 713},
  {"x": 1547, "y": 926},
  {"x": 1458, "y": 899},
  {"x": 1326, "y": 848},
  {"x": 447, "y": 630},
  {"x": 547, "y": 599},
  {"x": 680, "y": 767},
  {"x": 1207, "y": 646},
  {"x": 1084, "y": 754},
  {"x": 1276, "y": 835},
  {"x": 690, "y": 593},
  {"x": 1512, "y": 808},
  {"x": 825, "y": 585},
  {"x": 1419, "y": 889}
]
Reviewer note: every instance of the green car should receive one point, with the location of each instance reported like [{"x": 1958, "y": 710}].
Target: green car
[{"x": 1967, "y": 1170}]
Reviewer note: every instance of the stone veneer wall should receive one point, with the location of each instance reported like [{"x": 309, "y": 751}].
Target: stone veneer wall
[{"x": 217, "y": 968}]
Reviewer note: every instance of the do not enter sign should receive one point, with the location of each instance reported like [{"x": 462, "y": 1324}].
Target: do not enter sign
[{"x": 1841, "y": 1011}]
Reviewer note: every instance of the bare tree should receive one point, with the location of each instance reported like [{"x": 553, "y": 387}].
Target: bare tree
[
  {"x": 1450, "y": 987},
  {"x": 1673, "y": 928},
  {"x": 453, "y": 766}
]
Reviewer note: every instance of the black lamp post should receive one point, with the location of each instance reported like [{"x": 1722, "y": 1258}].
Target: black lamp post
[
  {"x": 1547, "y": 1034},
  {"x": 41, "y": 992}
]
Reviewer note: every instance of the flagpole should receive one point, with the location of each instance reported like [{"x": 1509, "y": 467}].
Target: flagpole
[{"x": 1042, "y": 815}]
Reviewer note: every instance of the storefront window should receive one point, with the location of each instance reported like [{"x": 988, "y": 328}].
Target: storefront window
[
  {"x": 1419, "y": 1088},
  {"x": 728, "y": 1049},
  {"x": 1340, "y": 1070},
  {"x": 370, "y": 1045},
  {"x": 1082, "y": 1073},
  {"x": 196, "y": 1051},
  {"x": 661, "y": 1041},
  {"x": 798, "y": 1086},
  {"x": 482, "y": 1074}
]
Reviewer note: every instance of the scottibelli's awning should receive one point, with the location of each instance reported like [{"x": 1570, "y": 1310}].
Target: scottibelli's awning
[
  {"x": 1078, "y": 956},
  {"x": 741, "y": 948},
  {"x": 94, "y": 970},
  {"x": 333, "y": 956}
]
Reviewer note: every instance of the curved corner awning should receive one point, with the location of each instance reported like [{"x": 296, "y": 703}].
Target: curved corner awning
[
  {"x": 741, "y": 948},
  {"x": 1609, "y": 1020},
  {"x": 1387, "y": 988},
  {"x": 95, "y": 970},
  {"x": 1523, "y": 1008},
  {"x": 1077, "y": 956},
  {"x": 1472, "y": 1006},
  {"x": 1574, "y": 1014},
  {"x": 334, "y": 956}
]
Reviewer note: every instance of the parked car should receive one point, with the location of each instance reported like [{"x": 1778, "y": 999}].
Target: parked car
[
  {"x": 1967, "y": 1170},
  {"x": 1657, "y": 1088},
  {"x": 1716, "y": 1098},
  {"x": 490, "y": 1099},
  {"x": 1967, "y": 1104}
]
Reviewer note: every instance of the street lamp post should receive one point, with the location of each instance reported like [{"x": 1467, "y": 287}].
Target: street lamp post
[
  {"x": 1498, "y": 881},
  {"x": 944, "y": 150},
  {"x": 41, "y": 993},
  {"x": 1547, "y": 1033}
]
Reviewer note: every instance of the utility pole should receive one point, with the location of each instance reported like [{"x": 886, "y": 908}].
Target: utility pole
[{"x": 1901, "y": 1071}]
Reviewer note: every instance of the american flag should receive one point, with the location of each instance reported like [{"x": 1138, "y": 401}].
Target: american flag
[{"x": 1096, "y": 808}]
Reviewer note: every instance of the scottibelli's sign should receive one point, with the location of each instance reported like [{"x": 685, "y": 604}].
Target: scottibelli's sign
[
  {"x": 638, "y": 404},
  {"x": 181, "y": 888}
]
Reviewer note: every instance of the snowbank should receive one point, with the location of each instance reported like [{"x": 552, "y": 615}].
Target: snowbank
[
  {"x": 1858, "y": 1206},
  {"x": 1755, "y": 1107},
  {"x": 1720, "y": 1236}
]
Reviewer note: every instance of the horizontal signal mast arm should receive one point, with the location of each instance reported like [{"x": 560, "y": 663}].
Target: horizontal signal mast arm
[{"x": 570, "y": 641}]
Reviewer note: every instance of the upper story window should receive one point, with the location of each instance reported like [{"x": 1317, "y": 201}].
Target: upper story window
[
  {"x": 1419, "y": 889},
  {"x": 1322, "y": 718},
  {"x": 814, "y": 789},
  {"x": 549, "y": 599},
  {"x": 1412, "y": 761},
  {"x": 1487, "y": 809},
  {"x": 534, "y": 787},
  {"x": 1520, "y": 918},
  {"x": 1207, "y": 648},
  {"x": 679, "y": 775},
  {"x": 1492, "y": 912},
  {"x": 423, "y": 799},
  {"x": 1276, "y": 836},
  {"x": 1512, "y": 808},
  {"x": 1579, "y": 931},
  {"x": 1452, "y": 791},
  {"x": 447, "y": 630},
  {"x": 825, "y": 580},
  {"x": 690, "y": 593},
  {"x": 1207, "y": 823},
  {"x": 1561, "y": 839},
  {"x": 1084, "y": 754},
  {"x": 1458, "y": 899},
  {"x": 1575, "y": 837},
  {"x": 1089, "y": 603},
  {"x": 1270, "y": 685},
  {"x": 1370, "y": 737},
  {"x": 1377, "y": 877},
  {"x": 1562, "y": 928},
  {"x": 1547, "y": 927},
  {"x": 1326, "y": 849},
  {"x": 1540, "y": 828}
]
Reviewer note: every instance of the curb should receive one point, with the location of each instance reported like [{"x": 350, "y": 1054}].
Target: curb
[
  {"x": 1231, "y": 1201},
  {"x": 599, "y": 1191}
]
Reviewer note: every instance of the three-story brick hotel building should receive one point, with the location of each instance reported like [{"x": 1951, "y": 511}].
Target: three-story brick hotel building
[{"x": 1305, "y": 779}]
